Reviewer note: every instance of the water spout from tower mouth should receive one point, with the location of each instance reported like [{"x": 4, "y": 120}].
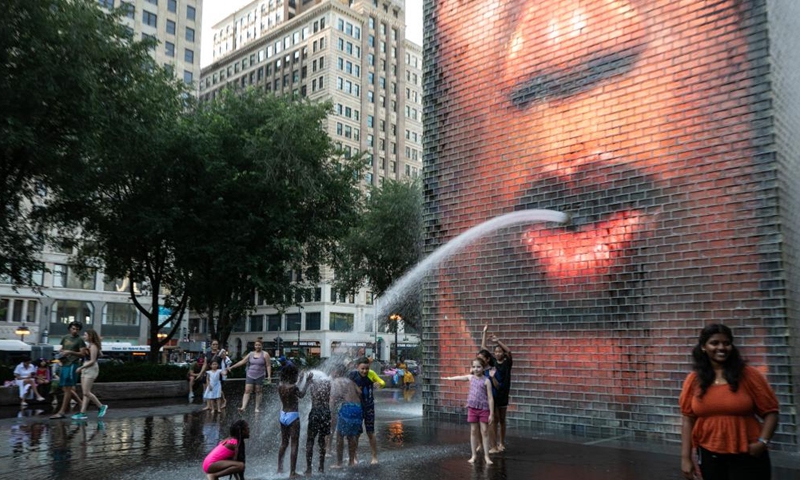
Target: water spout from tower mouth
[{"x": 400, "y": 289}]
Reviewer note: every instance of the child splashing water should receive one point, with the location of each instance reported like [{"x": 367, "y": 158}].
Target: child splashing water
[
  {"x": 228, "y": 457},
  {"x": 290, "y": 396},
  {"x": 319, "y": 421},
  {"x": 480, "y": 406}
]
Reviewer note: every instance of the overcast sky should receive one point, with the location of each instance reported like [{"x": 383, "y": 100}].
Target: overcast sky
[{"x": 216, "y": 10}]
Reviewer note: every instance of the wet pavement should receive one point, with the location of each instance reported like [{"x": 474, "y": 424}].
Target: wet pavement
[{"x": 168, "y": 439}]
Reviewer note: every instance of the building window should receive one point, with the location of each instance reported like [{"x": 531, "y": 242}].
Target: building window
[
  {"x": 37, "y": 277},
  {"x": 172, "y": 6},
  {"x": 154, "y": 2},
  {"x": 191, "y": 12},
  {"x": 188, "y": 77},
  {"x": 109, "y": 4},
  {"x": 68, "y": 311},
  {"x": 341, "y": 322},
  {"x": 129, "y": 9},
  {"x": 170, "y": 27},
  {"x": 80, "y": 282},
  {"x": 148, "y": 37},
  {"x": 239, "y": 325},
  {"x": 256, "y": 323},
  {"x": 313, "y": 321},
  {"x": 149, "y": 18},
  {"x": 190, "y": 34},
  {"x": 169, "y": 49},
  {"x": 59, "y": 276},
  {"x": 120, "y": 314},
  {"x": 293, "y": 322},
  {"x": 273, "y": 323},
  {"x": 188, "y": 56}
]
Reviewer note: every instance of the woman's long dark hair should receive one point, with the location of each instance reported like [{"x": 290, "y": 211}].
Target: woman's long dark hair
[
  {"x": 734, "y": 364},
  {"x": 237, "y": 431}
]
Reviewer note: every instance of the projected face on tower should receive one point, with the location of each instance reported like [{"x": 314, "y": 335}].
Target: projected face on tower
[{"x": 634, "y": 118}]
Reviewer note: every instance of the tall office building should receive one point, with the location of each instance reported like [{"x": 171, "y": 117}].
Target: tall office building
[
  {"x": 99, "y": 302},
  {"x": 176, "y": 24},
  {"x": 355, "y": 55},
  {"x": 413, "y": 109}
]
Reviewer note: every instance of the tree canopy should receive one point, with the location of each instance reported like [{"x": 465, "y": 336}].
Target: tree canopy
[
  {"x": 67, "y": 73},
  {"x": 275, "y": 197},
  {"x": 384, "y": 244},
  {"x": 101, "y": 149}
]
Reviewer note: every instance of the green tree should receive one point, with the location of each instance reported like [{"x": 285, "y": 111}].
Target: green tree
[
  {"x": 115, "y": 166},
  {"x": 62, "y": 63},
  {"x": 275, "y": 198},
  {"x": 125, "y": 215},
  {"x": 385, "y": 243}
]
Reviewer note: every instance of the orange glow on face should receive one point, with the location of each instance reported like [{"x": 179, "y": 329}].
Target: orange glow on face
[
  {"x": 632, "y": 117},
  {"x": 587, "y": 254}
]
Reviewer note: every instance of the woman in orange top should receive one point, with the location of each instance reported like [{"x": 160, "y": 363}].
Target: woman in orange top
[{"x": 720, "y": 402}]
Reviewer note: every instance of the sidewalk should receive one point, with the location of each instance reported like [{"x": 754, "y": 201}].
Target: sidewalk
[{"x": 169, "y": 439}]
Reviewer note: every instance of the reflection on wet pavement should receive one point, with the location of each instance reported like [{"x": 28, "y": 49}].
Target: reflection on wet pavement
[{"x": 169, "y": 439}]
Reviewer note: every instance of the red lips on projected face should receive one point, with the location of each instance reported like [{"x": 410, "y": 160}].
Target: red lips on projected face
[
  {"x": 611, "y": 206},
  {"x": 587, "y": 255}
]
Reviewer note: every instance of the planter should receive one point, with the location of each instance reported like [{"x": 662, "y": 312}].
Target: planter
[
  {"x": 138, "y": 390},
  {"x": 115, "y": 391}
]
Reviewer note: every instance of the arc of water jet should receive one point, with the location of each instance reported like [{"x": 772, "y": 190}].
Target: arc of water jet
[{"x": 461, "y": 241}]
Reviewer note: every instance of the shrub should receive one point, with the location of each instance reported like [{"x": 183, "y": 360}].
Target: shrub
[{"x": 6, "y": 373}]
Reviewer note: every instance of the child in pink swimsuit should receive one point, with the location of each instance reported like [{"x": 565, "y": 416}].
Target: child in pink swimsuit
[{"x": 228, "y": 457}]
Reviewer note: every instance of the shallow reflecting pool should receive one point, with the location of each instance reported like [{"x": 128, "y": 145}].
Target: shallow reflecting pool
[{"x": 168, "y": 439}]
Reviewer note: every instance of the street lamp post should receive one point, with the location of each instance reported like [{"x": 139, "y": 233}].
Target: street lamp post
[
  {"x": 395, "y": 317},
  {"x": 22, "y": 330},
  {"x": 161, "y": 336}
]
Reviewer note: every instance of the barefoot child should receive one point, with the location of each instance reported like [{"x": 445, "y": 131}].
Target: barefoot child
[
  {"x": 480, "y": 406},
  {"x": 290, "y": 396},
  {"x": 213, "y": 390},
  {"x": 346, "y": 403},
  {"x": 365, "y": 382},
  {"x": 319, "y": 422},
  {"x": 228, "y": 457},
  {"x": 501, "y": 381}
]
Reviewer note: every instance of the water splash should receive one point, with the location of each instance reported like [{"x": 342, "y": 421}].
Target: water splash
[
  {"x": 319, "y": 376},
  {"x": 400, "y": 288}
]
